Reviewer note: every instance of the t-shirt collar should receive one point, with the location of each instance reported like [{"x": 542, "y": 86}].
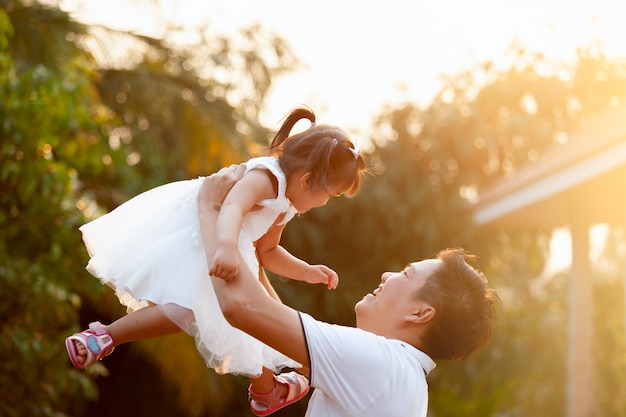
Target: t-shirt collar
[{"x": 427, "y": 363}]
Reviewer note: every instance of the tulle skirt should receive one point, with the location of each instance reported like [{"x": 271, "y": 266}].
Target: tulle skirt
[{"x": 150, "y": 251}]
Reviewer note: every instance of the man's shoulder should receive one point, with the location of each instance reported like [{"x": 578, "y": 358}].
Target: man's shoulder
[
  {"x": 353, "y": 369},
  {"x": 344, "y": 339}
]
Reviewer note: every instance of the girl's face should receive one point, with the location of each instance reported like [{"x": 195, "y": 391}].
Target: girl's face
[{"x": 304, "y": 198}]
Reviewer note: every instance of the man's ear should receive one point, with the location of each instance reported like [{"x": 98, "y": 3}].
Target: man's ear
[{"x": 424, "y": 314}]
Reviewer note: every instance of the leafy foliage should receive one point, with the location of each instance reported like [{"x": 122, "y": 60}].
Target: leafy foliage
[
  {"x": 430, "y": 163},
  {"x": 49, "y": 133},
  {"x": 80, "y": 133},
  {"x": 67, "y": 157},
  {"x": 178, "y": 120}
]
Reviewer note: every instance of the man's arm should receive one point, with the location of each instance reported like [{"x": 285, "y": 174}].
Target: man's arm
[
  {"x": 243, "y": 301},
  {"x": 241, "y": 199}
]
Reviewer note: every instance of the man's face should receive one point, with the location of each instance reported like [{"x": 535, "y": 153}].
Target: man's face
[{"x": 395, "y": 297}]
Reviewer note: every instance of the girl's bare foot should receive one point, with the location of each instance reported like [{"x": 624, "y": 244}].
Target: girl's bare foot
[{"x": 81, "y": 351}]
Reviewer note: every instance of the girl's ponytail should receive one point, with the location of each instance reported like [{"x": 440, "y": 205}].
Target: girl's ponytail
[
  {"x": 294, "y": 117},
  {"x": 323, "y": 151}
]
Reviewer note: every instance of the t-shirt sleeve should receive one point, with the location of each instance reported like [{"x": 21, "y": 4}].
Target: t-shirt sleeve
[{"x": 346, "y": 363}]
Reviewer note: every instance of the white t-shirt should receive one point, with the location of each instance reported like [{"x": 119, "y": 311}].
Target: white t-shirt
[{"x": 357, "y": 373}]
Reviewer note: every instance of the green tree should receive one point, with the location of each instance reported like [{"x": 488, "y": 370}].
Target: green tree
[
  {"x": 178, "y": 120},
  {"x": 49, "y": 131},
  {"x": 79, "y": 136},
  {"x": 429, "y": 164}
]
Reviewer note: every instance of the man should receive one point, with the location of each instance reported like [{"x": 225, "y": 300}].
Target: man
[{"x": 433, "y": 309}]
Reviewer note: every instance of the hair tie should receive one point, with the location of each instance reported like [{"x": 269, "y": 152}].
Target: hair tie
[
  {"x": 313, "y": 124},
  {"x": 333, "y": 143},
  {"x": 355, "y": 150}
]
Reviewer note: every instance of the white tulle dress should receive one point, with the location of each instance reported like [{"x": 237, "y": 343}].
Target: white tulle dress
[{"x": 150, "y": 251}]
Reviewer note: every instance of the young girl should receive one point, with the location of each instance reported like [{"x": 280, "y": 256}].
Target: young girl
[{"x": 150, "y": 251}]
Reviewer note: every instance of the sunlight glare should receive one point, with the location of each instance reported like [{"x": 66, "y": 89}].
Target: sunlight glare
[
  {"x": 414, "y": 43},
  {"x": 560, "y": 258}
]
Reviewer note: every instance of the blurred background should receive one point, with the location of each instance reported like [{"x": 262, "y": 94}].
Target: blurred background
[{"x": 462, "y": 108}]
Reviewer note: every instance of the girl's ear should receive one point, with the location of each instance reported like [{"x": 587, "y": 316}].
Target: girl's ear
[{"x": 305, "y": 180}]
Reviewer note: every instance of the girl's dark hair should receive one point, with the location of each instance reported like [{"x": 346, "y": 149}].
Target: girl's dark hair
[{"x": 323, "y": 151}]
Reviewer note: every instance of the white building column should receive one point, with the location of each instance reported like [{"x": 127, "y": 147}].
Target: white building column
[{"x": 580, "y": 390}]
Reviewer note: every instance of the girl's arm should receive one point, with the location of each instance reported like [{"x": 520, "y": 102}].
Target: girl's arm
[
  {"x": 278, "y": 260},
  {"x": 256, "y": 186},
  {"x": 243, "y": 301}
]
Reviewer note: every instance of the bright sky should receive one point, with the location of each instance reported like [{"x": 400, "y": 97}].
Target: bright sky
[{"x": 363, "y": 54}]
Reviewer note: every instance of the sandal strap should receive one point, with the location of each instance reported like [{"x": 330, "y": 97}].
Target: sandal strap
[
  {"x": 268, "y": 399},
  {"x": 272, "y": 400},
  {"x": 103, "y": 340},
  {"x": 97, "y": 341},
  {"x": 291, "y": 381}
]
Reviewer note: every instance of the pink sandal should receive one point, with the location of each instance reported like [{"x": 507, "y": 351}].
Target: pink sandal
[
  {"x": 97, "y": 341},
  {"x": 270, "y": 402}
]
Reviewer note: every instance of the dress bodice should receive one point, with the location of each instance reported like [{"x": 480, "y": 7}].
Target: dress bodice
[{"x": 257, "y": 223}]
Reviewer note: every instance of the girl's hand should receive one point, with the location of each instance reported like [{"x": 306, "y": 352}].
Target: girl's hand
[
  {"x": 321, "y": 274},
  {"x": 225, "y": 264}
]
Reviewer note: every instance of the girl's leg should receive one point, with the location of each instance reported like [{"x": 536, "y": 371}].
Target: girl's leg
[
  {"x": 265, "y": 383},
  {"x": 147, "y": 323},
  {"x": 269, "y": 393}
]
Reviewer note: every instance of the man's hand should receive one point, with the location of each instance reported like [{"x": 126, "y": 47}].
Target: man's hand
[
  {"x": 214, "y": 190},
  {"x": 215, "y": 187}
]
